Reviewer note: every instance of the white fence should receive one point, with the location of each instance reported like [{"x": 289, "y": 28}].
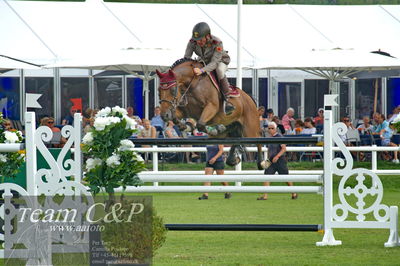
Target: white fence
[{"x": 53, "y": 181}]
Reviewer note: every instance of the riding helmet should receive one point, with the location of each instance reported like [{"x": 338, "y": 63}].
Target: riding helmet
[{"x": 200, "y": 30}]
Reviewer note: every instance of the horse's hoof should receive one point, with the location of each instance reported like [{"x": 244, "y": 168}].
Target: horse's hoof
[
  {"x": 212, "y": 131},
  {"x": 259, "y": 166},
  {"x": 233, "y": 162},
  {"x": 221, "y": 128}
]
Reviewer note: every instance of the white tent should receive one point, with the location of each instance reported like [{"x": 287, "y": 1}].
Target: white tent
[
  {"x": 333, "y": 64},
  {"x": 7, "y": 64},
  {"x": 141, "y": 62},
  {"x": 46, "y": 31}
]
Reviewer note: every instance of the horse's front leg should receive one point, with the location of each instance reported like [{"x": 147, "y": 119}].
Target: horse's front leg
[{"x": 209, "y": 111}]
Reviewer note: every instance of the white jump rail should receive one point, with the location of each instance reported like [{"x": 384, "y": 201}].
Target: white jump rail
[
  {"x": 231, "y": 178},
  {"x": 241, "y": 189}
]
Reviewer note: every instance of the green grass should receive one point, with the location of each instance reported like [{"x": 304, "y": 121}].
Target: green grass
[{"x": 360, "y": 246}]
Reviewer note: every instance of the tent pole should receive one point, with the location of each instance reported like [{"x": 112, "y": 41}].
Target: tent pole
[
  {"x": 376, "y": 95},
  {"x": 239, "y": 46}
]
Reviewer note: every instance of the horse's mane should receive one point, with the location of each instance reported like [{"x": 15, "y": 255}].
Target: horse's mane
[{"x": 182, "y": 60}]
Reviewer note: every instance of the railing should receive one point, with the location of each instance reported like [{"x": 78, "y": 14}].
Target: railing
[{"x": 238, "y": 170}]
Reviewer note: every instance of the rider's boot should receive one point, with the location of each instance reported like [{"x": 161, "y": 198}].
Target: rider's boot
[{"x": 229, "y": 108}]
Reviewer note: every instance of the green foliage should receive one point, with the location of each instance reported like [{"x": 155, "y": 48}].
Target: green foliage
[
  {"x": 111, "y": 163},
  {"x": 10, "y": 162},
  {"x": 142, "y": 241}
]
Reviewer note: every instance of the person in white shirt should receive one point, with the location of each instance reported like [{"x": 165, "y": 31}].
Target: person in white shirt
[
  {"x": 309, "y": 127},
  {"x": 365, "y": 128},
  {"x": 396, "y": 113}
]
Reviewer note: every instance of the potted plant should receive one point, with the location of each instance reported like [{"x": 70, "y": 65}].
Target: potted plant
[{"x": 111, "y": 162}]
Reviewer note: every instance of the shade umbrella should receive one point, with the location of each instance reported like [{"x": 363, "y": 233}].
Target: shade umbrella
[
  {"x": 8, "y": 63},
  {"x": 332, "y": 65},
  {"x": 140, "y": 62}
]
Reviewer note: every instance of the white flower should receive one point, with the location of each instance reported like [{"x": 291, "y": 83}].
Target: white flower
[
  {"x": 137, "y": 157},
  {"x": 397, "y": 119},
  {"x": 11, "y": 137},
  {"x": 130, "y": 123},
  {"x": 126, "y": 145},
  {"x": 88, "y": 138},
  {"x": 113, "y": 160},
  {"x": 92, "y": 163},
  {"x": 113, "y": 120},
  {"x": 120, "y": 110},
  {"x": 100, "y": 123},
  {"x": 3, "y": 158},
  {"x": 104, "y": 112}
]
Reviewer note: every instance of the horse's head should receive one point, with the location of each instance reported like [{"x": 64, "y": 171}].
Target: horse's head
[
  {"x": 168, "y": 93},
  {"x": 175, "y": 86}
]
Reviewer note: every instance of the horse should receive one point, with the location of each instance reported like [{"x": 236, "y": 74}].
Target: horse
[{"x": 184, "y": 94}]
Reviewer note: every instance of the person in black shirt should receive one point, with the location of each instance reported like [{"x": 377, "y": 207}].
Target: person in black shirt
[{"x": 276, "y": 154}]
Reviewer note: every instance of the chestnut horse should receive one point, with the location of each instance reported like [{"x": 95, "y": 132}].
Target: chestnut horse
[{"x": 183, "y": 95}]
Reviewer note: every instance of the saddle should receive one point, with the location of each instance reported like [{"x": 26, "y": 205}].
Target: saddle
[{"x": 234, "y": 90}]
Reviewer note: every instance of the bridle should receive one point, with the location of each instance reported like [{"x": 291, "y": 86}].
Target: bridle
[{"x": 173, "y": 85}]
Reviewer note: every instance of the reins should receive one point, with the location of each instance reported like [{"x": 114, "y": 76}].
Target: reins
[{"x": 176, "y": 102}]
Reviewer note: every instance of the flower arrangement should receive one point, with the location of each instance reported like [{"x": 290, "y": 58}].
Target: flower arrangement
[
  {"x": 111, "y": 161},
  {"x": 10, "y": 162}
]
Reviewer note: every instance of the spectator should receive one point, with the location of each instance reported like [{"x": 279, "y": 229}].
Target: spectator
[
  {"x": 396, "y": 112},
  {"x": 365, "y": 128},
  {"x": 157, "y": 121},
  {"x": 270, "y": 115},
  {"x": 349, "y": 125},
  {"x": 287, "y": 118},
  {"x": 86, "y": 117},
  {"x": 215, "y": 162},
  {"x": 263, "y": 120},
  {"x": 69, "y": 119},
  {"x": 381, "y": 126},
  {"x": 375, "y": 119},
  {"x": 130, "y": 114},
  {"x": 385, "y": 133},
  {"x": 89, "y": 126},
  {"x": 281, "y": 128},
  {"x": 57, "y": 141},
  {"x": 309, "y": 127},
  {"x": 319, "y": 119},
  {"x": 276, "y": 155},
  {"x": 148, "y": 131},
  {"x": 170, "y": 131},
  {"x": 7, "y": 126},
  {"x": 387, "y": 142},
  {"x": 298, "y": 126}
]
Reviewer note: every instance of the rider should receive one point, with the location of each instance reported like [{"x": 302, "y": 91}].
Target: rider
[{"x": 209, "y": 48}]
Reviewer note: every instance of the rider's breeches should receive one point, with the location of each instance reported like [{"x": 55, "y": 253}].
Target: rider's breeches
[{"x": 221, "y": 69}]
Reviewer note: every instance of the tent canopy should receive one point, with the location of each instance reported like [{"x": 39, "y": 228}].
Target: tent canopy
[
  {"x": 7, "y": 64},
  {"x": 45, "y": 32},
  {"x": 332, "y": 64}
]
